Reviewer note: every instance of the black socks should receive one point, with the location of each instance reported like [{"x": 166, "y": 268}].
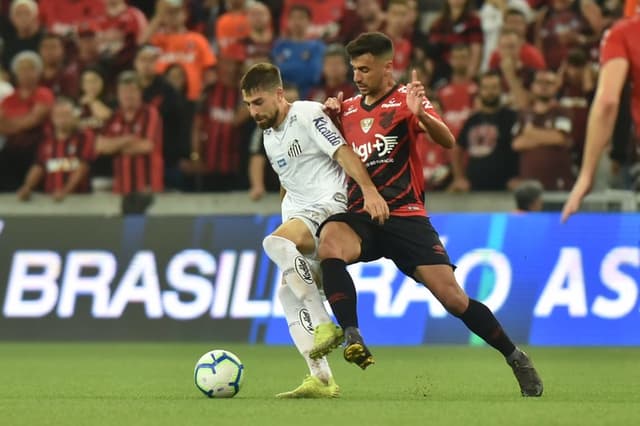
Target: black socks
[
  {"x": 340, "y": 291},
  {"x": 479, "y": 319}
]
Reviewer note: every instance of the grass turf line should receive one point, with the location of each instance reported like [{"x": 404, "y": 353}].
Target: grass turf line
[{"x": 152, "y": 384}]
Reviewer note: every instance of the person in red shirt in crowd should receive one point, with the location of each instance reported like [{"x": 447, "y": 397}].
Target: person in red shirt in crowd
[
  {"x": 360, "y": 16},
  {"x": 63, "y": 156},
  {"x": 563, "y": 26},
  {"x": 133, "y": 136},
  {"x": 218, "y": 131},
  {"x": 620, "y": 61},
  {"x": 258, "y": 44},
  {"x": 61, "y": 79},
  {"x": 529, "y": 55},
  {"x": 27, "y": 30},
  {"x": 457, "y": 24},
  {"x": 63, "y": 17},
  {"x": 119, "y": 31},
  {"x": 181, "y": 46},
  {"x": 577, "y": 86},
  {"x": 325, "y": 15},
  {"x": 396, "y": 29},
  {"x": 457, "y": 97},
  {"x": 335, "y": 76},
  {"x": 517, "y": 76},
  {"x": 232, "y": 26},
  {"x": 22, "y": 117}
]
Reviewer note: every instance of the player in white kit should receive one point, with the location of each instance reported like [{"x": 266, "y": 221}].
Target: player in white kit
[{"x": 310, "y": 157}]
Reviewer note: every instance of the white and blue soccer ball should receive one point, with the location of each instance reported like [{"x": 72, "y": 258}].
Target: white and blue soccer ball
[{"x": 219, "y": 374}]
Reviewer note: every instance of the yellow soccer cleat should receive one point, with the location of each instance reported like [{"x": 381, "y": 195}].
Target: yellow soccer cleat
[
  {"x": 313, "y": 387},
  {"x": 326, "y": 337}
]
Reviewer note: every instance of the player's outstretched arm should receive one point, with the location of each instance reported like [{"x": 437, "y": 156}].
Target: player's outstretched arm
[
  {"x": 602, "y": 117},
  {"x": 374, "y": 204},
  {"x": 416, "y": 102}
]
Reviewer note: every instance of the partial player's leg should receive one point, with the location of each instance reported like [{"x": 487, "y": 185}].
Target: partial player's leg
[
  {"x": 340, "y": 245},
  {"x": 286, "y": 246},
  {"x": 320, "y": 382}
]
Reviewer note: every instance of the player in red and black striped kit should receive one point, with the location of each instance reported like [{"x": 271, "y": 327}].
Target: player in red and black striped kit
[{"x": 381, "y": 125}]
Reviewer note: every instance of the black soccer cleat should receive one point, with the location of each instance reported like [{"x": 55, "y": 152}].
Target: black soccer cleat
[
  {"x": 355, "y": 351},
  {"x": 526, "y": 374}
]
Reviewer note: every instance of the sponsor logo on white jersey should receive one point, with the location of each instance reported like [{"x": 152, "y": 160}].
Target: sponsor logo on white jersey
[{"x": 331, "y": 136}]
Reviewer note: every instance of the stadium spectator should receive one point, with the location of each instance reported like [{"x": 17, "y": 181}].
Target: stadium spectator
[
  {"x": 232, "y": 26},
  {"x": 26, "y": 32},
  {"x": 172, "y": 108},
  {"x": 484, "y": 159},
  {"x": 62, "y": 161},
  {"x": 396, "y": 28},
  {"x": 361, "y": 16},
  {"x": 492, "y": 16},
  {"x": 22, "y": 118},
  {"x": 217, "y": 146},
  {"x": 335, "y": 76},
  {"x": 133, "y": 138},
  {"x": 181, "y": 46},
  {"x": 86, "y": 46},
  {"x": 517, "y": 70},
  {"x": 542, "y": 137},
  {"x": 118, "y": 32},
  {"x": 563, "y": 26},
  {"x": 577, "y": 86},
  {"x": 94, "y": 107},
  {"x": 258, "y": 44},
  {"x": 529, "y": 54},
  {"x": 299, "y": 59},
  {"x": 457, "y": 24},
  {"x": 64, "y": 17},
  {"x": 457, "y": 97},
  {"x": 528, "y": 196},
  {"x": 325, "y": 15},
  {"x": 56, "y": 75}
]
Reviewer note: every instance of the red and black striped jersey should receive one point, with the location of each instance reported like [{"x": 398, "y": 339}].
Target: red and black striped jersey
[
  {"x": 142, "y": 172},
  {"x": 384, "y": 135},
  {"x": 60, "y": 158}
]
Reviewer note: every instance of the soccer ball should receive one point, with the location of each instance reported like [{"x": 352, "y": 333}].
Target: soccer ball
[{"x": 219, "y": 374}]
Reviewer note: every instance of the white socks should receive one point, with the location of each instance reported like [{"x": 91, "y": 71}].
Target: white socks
[
  {"x": 297, "y": 274},
  {"x": 301, "y": 331}
]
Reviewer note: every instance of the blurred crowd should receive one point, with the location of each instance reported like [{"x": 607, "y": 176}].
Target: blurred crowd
[{"x": 142, "y": 96}]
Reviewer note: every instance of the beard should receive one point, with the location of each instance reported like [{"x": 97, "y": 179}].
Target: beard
[
  {"x": 491, "y": 102},
  {"x": 267, "y": 122},
  {"x": 544, "y": 98}
]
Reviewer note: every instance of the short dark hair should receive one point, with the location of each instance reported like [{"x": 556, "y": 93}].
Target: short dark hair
[
  {"x": 374, "y": 43},
  {"x": 460, "y": 46},
  {"x": 527, "y": 193},
  {"x": 261, "y": 76}
]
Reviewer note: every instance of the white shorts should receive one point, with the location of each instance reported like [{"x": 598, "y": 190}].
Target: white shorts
[{"x": 313, "y": 217}]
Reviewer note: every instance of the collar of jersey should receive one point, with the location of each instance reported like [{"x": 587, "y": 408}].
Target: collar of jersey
[{"x": 382, "y": 99}]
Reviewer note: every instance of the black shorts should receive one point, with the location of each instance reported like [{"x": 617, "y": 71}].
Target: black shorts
[{"x": 410, "y": 241}]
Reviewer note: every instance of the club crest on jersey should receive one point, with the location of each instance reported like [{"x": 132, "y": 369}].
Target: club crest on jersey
[
  {"x": 365, "y": 124},
  {"x": 294, "y": 149}
]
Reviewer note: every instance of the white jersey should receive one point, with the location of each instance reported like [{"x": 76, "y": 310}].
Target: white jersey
[{"x": 301, "y": 152}]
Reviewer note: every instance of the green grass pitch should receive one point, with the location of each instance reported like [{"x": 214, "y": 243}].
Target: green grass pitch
[{"x": 151, "y": 384}]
